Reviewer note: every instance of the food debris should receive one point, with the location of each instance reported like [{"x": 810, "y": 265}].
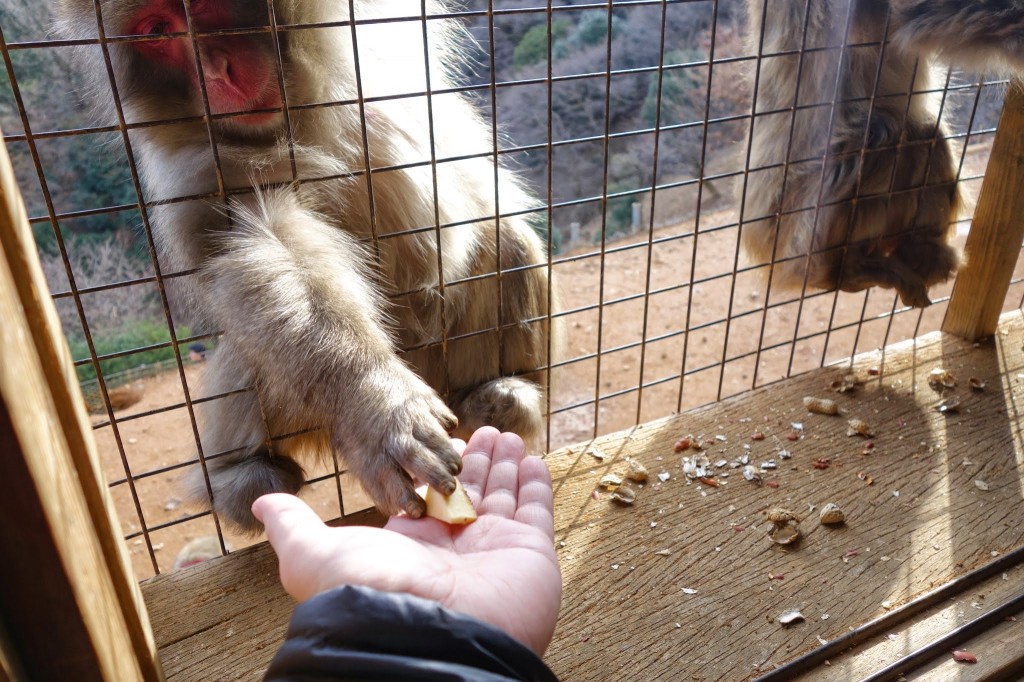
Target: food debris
[
  {"x": 664, "y": 476},
  {"x": 964, "y": 656},
  {"x": 866, "y": 478},
  {"x": 980, "y": 484},
  {"x": 948, "y": 406},
  {"x": 708, "y": 481},
  {"x": 859, "y": 427},
  {"x": 624, "y": 495},
  {"x": 610, "y": 481},
  {"x": 792, "y": 435},
  {"x": 772, "y": 484},
  {"x": 637, "y": 471},
  {"x": 846, "y": 383},
  {"x": 976, "y": 384},
  {"x": 689, "y": 590},
  {"x": 683, "y": 444},
  {"x": 780, "y": 515},
  {"x": 785, "y": 528},
  {"x": 663, "y": 552},
  {"x": 940, "y": 378},
  {"x": 791, "y": 617},
  {"x": 821, "y": 405},
  {"x": 822, "y": 463},
  {"x": 776, "y": 576},
  {"x": 596, "y": 453},
  {"x": 757, "y": 435},
  {"x": 750, "y": 473},
  {"x": 874, "y": 371},
  {"x": 769, "y": 464},
  {"x": 832, "y": 515}
]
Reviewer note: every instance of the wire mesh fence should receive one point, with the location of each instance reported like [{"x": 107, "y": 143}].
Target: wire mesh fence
[{"x": 631, "y": 125}]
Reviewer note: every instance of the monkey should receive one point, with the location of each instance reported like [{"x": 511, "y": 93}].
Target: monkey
[
  {"x": 320, "y": 241},
  {"x": 852, "y": 176}
]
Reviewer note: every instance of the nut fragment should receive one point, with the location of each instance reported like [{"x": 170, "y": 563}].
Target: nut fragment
[
  {"x": 940, "y": 378},
  {"x": 784, "y": 533},
  {"x": 610, "y": 481},
  {"x": 750, "y": 473},
  {"x": 683, "y": 443},
  {"x": 859, "y": 427},
  {"x": 790, "y": 617},
  {"x": 848, "y": 382},
  {"x": 949, "y": 406},
  {"x": 832, "y": 515},
  {"x": 637, "y": 471},
  {"x": 624, "y": 495},
  {"x": 976, "y": 384},
  {"x": 821, "y": 405},
  {"x": 780, "y": 515}
]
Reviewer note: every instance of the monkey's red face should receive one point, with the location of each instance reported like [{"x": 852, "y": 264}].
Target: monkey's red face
[{"x": 239, "y": 70}]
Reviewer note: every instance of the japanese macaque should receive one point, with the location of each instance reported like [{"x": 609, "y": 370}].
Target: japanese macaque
[
  {"x": 853, "y": 180},
  {"x": 314, "y": 271}
]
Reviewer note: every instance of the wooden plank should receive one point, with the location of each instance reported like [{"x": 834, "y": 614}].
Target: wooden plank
[
  {"x": 625, "y": 614},
  {"x": 993, "y": 245},
  {"x": 906, "y": 638},
  {"x": 58, "y": 505}
]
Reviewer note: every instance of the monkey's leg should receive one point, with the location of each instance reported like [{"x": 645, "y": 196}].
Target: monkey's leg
[
  {"x": 966, "y": 32},
  {"x": 241, "y": 463},
  {"x": 292, "y": 295},
  {"x": 888, "y": 169},
  {"x": 498, "y": 377}
]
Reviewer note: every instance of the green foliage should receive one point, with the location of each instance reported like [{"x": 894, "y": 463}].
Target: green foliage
[
  {"x": 681, "y": 90},
  {"x": 138, "y": 334},
  {"x": 533, "y": 47}
]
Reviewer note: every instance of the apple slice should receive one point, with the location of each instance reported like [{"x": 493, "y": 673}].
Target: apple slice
[{"x": 456, "y": 509}]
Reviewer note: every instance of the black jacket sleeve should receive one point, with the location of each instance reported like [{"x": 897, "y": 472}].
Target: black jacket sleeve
[{"x": 356, "y": 633}]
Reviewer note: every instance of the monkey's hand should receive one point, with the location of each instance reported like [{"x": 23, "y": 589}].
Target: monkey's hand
[{"x": 396, "y": 435}]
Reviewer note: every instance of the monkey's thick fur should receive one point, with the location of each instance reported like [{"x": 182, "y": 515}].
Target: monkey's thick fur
[
  {"x": 287, "y": 275},
  {"x": 857, "y": 186}
]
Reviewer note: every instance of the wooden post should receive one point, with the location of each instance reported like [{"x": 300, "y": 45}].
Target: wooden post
[
  {"x": 997, "y": 230},
  {"x": 70, "y": 607}
]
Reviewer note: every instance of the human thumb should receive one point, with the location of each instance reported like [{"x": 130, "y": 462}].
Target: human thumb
[{"x": 296, "y": 534}]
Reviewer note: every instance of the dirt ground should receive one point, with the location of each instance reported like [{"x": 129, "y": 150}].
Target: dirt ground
[{"x": 601, "y": 363}]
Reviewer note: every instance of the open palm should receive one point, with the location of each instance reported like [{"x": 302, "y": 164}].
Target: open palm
[{"x": 501, "y": 568}]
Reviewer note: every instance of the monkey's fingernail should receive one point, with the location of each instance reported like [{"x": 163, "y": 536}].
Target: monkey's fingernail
[
  {"x": 455, "y": 467},
  {"x": 447, "y": 487}
]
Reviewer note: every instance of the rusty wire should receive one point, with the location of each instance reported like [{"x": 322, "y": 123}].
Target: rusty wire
[{"x": 488, "y": 90}]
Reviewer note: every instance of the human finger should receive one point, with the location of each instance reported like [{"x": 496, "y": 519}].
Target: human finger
[
  {"x": 535, "y": 504},
  {"x": 476, "y": 462},
  {"x": 292, "y": 527},
  {"x": 502, "y": 491}
]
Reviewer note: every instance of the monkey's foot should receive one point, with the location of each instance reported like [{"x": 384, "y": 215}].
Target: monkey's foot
[{"x": 507, "y": 403}]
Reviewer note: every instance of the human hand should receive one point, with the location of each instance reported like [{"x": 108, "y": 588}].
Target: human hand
[{"x": 501, "y": 568}]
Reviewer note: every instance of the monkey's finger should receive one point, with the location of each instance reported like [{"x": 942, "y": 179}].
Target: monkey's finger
[
  {"x": 425, "y": 465},
  {"x": 536, "y": 500},
  {"x": 440, "y": 446},
  {"x": 289, "y": 522},
  {"x": 501, "y": 494}
]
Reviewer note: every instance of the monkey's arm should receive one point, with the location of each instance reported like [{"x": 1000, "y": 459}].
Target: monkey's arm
[
  {"x": 966, "y": 32},
  {"x": 292, "y": 297}
]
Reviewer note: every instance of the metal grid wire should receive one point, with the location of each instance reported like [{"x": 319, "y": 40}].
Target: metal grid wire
[{"x": 661, "y": 310}]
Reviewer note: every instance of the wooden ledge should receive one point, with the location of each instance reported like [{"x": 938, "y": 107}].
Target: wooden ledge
[{"x": 684, "y": 583}]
